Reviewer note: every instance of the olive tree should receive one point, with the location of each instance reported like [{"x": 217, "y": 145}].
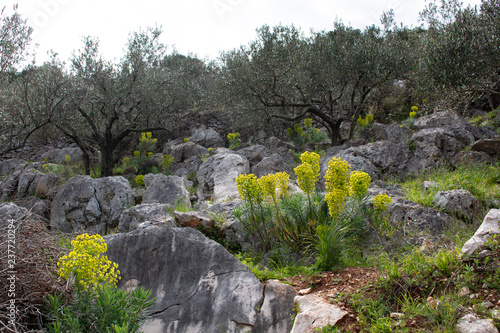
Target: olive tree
[
  {"x": 328, "y": 76},
  {"x": 461, "y": 51}
]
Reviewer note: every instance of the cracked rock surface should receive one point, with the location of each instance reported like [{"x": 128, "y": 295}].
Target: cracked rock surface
[{"x": 198, "y": 285}]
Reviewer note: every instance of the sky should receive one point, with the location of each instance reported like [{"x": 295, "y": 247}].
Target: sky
[{"x": 200, "y": 27}]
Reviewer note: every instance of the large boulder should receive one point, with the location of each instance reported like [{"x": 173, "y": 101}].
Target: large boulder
[
  {"x": 254, "y": 154},
  {"x": 489, "y": 227},
  {"x": 470, "y": 157},
  {"x": 387, "y": 156},
  {"x": 207, "y": 137},
  {"x": 9, "y": 212},
  {"x": 155, "y": 213},
  {"x": 409, "y": 213},
  {"x": 184, "y": 151},
  {"x": 459, "y": 203},
  {"x": 90, "y": 204},
  {"x": 165, "y": 190},
  {"x": 9, "y": 166},
  {"x": 198, "y": 285},
  {"x": 433, "y": 144},
  {"x": 454, "y": 123},
  {"x": 58, "y": 156},
  {"x": 489, "y": 146},
  {"x": 216, "y": 176},
  {"x": 472, "y": 324},
  {"x": 271, "y": 164}
]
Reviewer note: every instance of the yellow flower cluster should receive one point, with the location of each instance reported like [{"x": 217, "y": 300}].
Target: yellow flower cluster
[
  {"x": 359, "y": 183},
  {"x": 337, "y": 184},
  {"x": 312, "y": 158},
  {"x": 87, "y": 264},
  {"x": 271, "y": 186},
  {"x": 381, "y": 202},
  {"x": 166, "y": 161},
  {"x": 249, "y": 188},
  {"x": 67, "y": 158},
  {"x": 139, "y": 179},
  {"x": 147, "y": 137},
  {"x": 364, "y": 122},
  {"x": 413, "y": 114},
  {"x": 282, "y": 180},
  {"x": 306, "y": 177},
  {"x": 308, "y": 122}
]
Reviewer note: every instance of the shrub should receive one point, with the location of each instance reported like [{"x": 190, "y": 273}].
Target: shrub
[
  {"x": 234, "y": 140},
  {"x": 139, "y": 180},
  {"x": 87, "y": 264}
]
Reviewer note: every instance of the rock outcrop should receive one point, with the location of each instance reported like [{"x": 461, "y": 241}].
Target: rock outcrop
[
  {"x": 90, "y": 204},
  {"x": 198, "y": 285}
]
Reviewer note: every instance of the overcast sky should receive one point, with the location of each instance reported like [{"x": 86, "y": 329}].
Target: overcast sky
[{"x": 200, "y": 27}]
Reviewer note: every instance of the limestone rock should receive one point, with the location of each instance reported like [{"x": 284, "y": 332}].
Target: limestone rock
[
  {"x": 472, "y": 324},
  {"x": 466, "y": 158},
  {"x": 489, "y": 146},
  {"x": 489, "y": 227},
  {"x": 315, "y": 312},
  {"x": 157, "y": 214},
  {"x": 90, "y": 204},
  {"x": 254, "y": 154},
  {"x": 460, "y": 203},
  {"x": 216, "y": 176},
  {"x": 207, "y": 137},
  {"x": 165, "y": 190},
  {"x": 198, "y": 285}
]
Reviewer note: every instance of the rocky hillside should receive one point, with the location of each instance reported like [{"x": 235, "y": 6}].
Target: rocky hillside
[{"x": 199, "y": 286}]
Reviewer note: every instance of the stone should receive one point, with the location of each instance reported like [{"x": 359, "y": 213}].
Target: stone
[
  {"x": 270, "y": 164},
  {"x": 472, "y": 324},
  {"x": 183, "y": 151},
  {"x": 254, "y": 154},
  {"x": 216, "y": 176},
  {"x": 157, "y": 214},
  {"x": 193, "y": 219},
  {"x": 58, "y": 156},
  {"x": 315, "y": 312},
  {"x": 198, "y": 285},
  {"x": 93, "y": 205},
  {"x": 386, "y": 156},
  {"x": 10, "y": 211},
  {"x": 488, "y": 146},
  {"x": 459, "y": 203},
  {"x": 489, "y": 227},
  {"x": 207, "y": 137},
  {"x": 163, "y": 189},
  {"x": 9, "y": 166},
  {"x": 467, "y": 158},
  {"x": 359, "y": 163}
]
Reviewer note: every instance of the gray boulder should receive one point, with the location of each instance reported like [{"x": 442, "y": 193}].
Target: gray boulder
[
  {"x": 184, "y": 151},
  {"x": 193, "y": 219},
  {"x": 472, "y": 324},
  {"x": 9, "y": 212},
  {"x": 432, "y": 145},
  {"x": 459, "y": 203},
  {"x": 165, "y": 190},
  {"x": 90, "y": 204},
  {"x": 254, "y": 154},
  {"x": 314, "y": 313},
  {"x": 387, "y": 156},
  {"x": 409, "y": 213},
  {"x": 207, "y": 137},
  {"x": 454, "y": 123},
  {"x": 198, "y": 285},
  {"x": 466, "y": 158},
  {"x": 9, "y": 166},
  {"x": 216, "y": 176},
  {"x": 58, "y": 156},
  {"x": 271, "y": 164},
  {"x": 489, "y": 227},
  {"x": 489, "y": 146},
  {"x": 157, "y": 214}
]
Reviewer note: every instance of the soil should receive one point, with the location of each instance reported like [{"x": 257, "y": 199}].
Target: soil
[{"x": 338, "y": 287}]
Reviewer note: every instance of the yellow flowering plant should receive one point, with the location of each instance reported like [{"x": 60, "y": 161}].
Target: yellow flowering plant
[
  {"x": 249, "y": 188},
  {"x": 359, "y": 181},
  {"x": 87, "y": 264},
  {"x": 139, "y": 179},
  {"x": 234, "y": 140},
  {"x": 381, "y": 202}
]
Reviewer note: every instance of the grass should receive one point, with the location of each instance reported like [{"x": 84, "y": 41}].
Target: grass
[{"x": 481, "y": 181}]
